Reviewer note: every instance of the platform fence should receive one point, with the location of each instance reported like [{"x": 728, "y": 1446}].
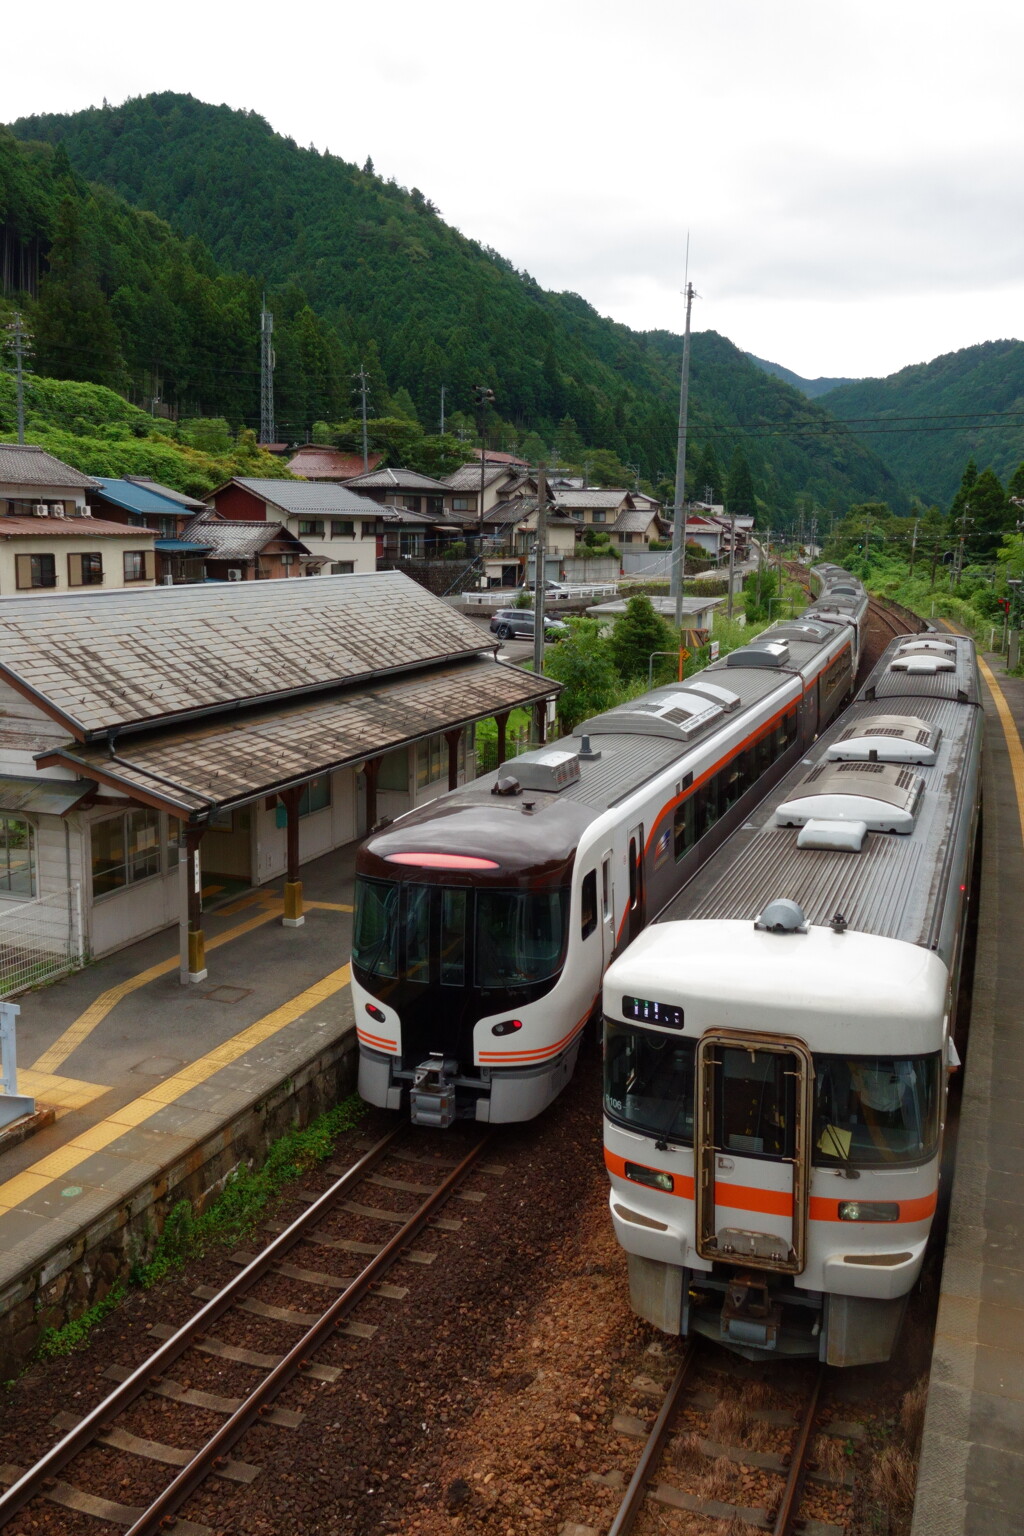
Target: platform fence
[{"x": 41, "y": 940}]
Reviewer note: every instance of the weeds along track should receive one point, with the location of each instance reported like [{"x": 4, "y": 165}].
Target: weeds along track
[
  {"x": 741, "y": 1449},
  {"x": 373, "y": 1213}
]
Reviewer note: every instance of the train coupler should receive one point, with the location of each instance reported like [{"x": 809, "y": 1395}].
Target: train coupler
[
  {"x": 432, "y": 1096},
  {"x": 749, "y": 1316}
]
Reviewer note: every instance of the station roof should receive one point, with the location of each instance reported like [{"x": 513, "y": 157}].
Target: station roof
[
  {"x": 135, "y": 660},
  {"x": 188, "y": 770}
]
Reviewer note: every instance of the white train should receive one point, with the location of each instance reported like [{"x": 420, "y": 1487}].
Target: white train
[
  {"x": 485, "y": 921},
  {"x": 777, "y": 1045}
]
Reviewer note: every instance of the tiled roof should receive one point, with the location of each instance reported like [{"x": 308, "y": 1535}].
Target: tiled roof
[
  {"x": 24, "y": 464},
  {"x": 154, "y": 654},
  {"x": 494, "y": 457},
  {"x": 234, "y": 539},
  {"x": 517, "y": 510},
  {"x": 301, "y": 497},
  {"x": 637, "y": 521},
  {"x": 601, "y": 499},
  {"x": 71, "y": 528},
  {"x": 468, "y": 477},
  {"x": 316, "y": 463},
  {"x": 397, "y": 480},
  {"x": 241, "y": 757}
]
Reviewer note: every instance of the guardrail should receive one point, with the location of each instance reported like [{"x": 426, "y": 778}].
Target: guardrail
[{"x": 505, "y": 597}]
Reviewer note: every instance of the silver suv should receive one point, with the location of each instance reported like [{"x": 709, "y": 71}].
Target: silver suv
[{"x": 518, "y": 624}]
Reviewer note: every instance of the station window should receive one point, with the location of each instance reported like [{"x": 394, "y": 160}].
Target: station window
[
  {"x": 17, "y": 857},
  {"x": 125, "y": 850},
  {"x": 588, "y": 904},
  {"x": 432, "y": 760}
]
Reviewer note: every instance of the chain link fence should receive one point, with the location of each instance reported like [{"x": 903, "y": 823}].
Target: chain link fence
[{"x": 41, "y": 940}]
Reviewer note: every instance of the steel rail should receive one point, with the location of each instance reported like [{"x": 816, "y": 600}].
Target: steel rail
[
  {"x": 789, "y": 1508},
  {"x": 32, "y": 1482},
  {"x": 635, "y": 1494},
  {"x": 161, "y": 1513}
]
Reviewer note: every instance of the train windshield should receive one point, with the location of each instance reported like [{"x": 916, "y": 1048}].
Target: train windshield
[
  {"x": 450, "y": 935},
  {"x": 875, "y": 1109},
  {"x": 648, "y": 1081}
]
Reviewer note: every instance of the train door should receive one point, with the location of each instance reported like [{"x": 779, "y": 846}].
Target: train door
[
  {"x": 753, "y": 1149},
  {"x": 636, "y": 910},
  {"x": 607, "y": 908}
]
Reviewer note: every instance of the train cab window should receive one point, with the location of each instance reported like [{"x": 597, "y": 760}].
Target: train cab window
[
  {"x": 453, "y": 938},
  {"x": 875, "y": 1109},
  {"x": 756, "y": 1102},
  {"x": 684, "y": 826},
  {"x": 417, "y": 932},
  {"x": 520, "y": 936},
  {"x": 588, "y": 904},
  {"x": 648, "y": 1081},
  {"x": 375, "y": 927}
]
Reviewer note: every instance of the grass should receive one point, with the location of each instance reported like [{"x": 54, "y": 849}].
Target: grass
[{"x": 231, "y": 1216}]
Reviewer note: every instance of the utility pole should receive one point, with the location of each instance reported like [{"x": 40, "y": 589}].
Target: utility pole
[
  {"x": 267, "y": 434},
  {"x": 913, "y": 546},
  {"x": 442, "y": 409},
  {"x": 732, "y": 559},
  {"x": 867, "y": 535},
  {"x": 484, "y": 398},
  {"x": 363, "y": 387},
  {"x": 538, "y": 571},
  {"x": 958, "y": 564},
  {"x": 678, "y": 514},
  {"x": 22, "y": 349}
]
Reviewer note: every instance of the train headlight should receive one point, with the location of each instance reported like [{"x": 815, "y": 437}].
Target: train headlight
[
  {"x": 652, "y": 1176},
  {"x": 868, "y": 1210},
  {"x": 376, "y": 1013}
]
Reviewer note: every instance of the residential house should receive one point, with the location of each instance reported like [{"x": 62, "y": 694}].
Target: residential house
[
  {"x": 335, "y": 523},
  {"x": 593, "y": 508},
  {"x": 243, "y": 551},
  {"x": 405, "y": 490},
  {"x": 707, "y": 532},
  {"x": 49, "y": 539},
  {"x": 494, "y": 457},
  {"x": 144, "y": 503},
  {"x": 416, "y": 522},
  {"x": 499, "y": 482},
  {"x": 238, "y": 733},
  {"x": 315, "y": 462}
]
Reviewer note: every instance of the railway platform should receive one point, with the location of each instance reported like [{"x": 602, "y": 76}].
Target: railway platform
[
  {"x": 160, "y": 1090},
  {"x": 971, "y": 1476}
]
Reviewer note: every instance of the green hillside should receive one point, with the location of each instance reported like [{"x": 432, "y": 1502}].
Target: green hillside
[
  {"x": 935, "y": 416},
  {"x": 812, "y": 388},
  {"x": 396, "y": 288}
]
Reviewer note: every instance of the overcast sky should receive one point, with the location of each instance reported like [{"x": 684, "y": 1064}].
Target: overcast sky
[{"x": 850, "y": 173}]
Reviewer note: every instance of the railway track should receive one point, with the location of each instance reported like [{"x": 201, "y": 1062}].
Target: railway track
[
  {"x": 43, "y": 1484},
  {"x": 649, "y": 1495}
]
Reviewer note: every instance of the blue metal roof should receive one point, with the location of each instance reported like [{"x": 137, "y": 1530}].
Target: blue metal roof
[
  {"x": 180, "y": 547},
  {"x": 139, "y": 499}
]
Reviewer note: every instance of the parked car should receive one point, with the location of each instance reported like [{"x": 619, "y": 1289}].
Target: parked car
[{"x": 518, "y": 624}]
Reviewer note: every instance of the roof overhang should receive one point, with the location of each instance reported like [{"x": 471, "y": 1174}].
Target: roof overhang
[
  {"x": 191, "y": 772},
  {"x": 50, "y": 797}
]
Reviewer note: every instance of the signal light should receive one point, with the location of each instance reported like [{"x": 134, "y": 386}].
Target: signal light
[
  {"x": 375, "y": 1013},
  {"x": 869, "y": 1210},
  {"x": 506, "y": 1027}
]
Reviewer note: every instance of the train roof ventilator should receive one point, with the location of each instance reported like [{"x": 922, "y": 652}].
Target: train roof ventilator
[{"x": 837, "y": 804}]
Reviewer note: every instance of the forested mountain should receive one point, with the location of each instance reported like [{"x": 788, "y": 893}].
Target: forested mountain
[
  {"x": 927, "y": 420},
  {"x": 812, "y": 388},
  {"x": 360, "y": 271}
]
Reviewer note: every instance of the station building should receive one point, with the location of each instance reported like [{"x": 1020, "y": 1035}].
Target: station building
[{"x": 161, "y": 743}]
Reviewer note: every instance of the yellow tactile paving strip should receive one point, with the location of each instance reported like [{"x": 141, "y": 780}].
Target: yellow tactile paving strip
[
  {"x": 1013, "y": 743},
  {"x": 63, "y": 1161},
  {"x": 59, "y": 1093}
]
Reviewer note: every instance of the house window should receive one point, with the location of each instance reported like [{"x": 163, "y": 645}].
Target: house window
[
  {"x": 343, "y": 567},
  {"x": 411, "y": 503},
  {"x": 460, "y": 504},
  {"x": 287, "y": 559},
  {"x": 577, "y": 513},
  {"x": 311, "y": 526},
  {"x": 627, "y": 538},
  {"x": 125, "y": 850},
  {"x": 343, "y": 530},
  {"x": 139, "y": 565},
  {"x": 85, "y": 570},
  {"x": 36, "y": 571},
  {"x": 369, "y": 530},
  {"x": 599, "y": 517},
  {"x": 17, "y": 857}
]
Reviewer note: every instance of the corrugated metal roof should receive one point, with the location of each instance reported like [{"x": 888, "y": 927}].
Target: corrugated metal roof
[
  {"x": 167, "y": 491},
  {"x": 49, "y": 797},
  {"x": 962, "y": 682},
  {"x": 299, "y": 497},
  {"x": 230, "y": 762},
  {"x": 25, "y": 464},
  {"x": 108, "y": 659},
  {"x": 147, "y": 499},
  {"x": 72, "y": 528}
]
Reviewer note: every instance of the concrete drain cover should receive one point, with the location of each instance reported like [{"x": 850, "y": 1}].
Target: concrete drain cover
[
  {"x": 158, "y": 1066},
  {"x": 228, "y": 994}
]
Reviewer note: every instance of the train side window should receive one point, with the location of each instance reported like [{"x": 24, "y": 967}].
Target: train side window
[
  {"x": 683, "y": 826},
  {"x": 588, "y": 904},
  {"x": 417, "y": 932},
  {"x": 763, "y": 749},
  {"x": 789, "y": 726},
  {"x": 453, "y": 938},
  {"x": 707, "y": 805},
  {"x": 606, "y": 886},
  {"x": 632, "y": 873}
]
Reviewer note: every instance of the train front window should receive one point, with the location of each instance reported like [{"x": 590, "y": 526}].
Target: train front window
[
  {"x": 453, "y": 938},
  {"x": 756, "y": 1111},
  {"x": 648, "y": 1081},
  {"x": 875, "y": 1109},
  {"x": 520, "y": 936},
  {"x": 417, "y": 932},
  {"x": 375, "y": 928}
]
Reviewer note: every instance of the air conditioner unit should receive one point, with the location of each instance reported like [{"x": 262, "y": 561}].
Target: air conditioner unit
[
  {"x": 234, "y": 575},
  {"x": 57, "y": 509},
  {"x": 168, "y": 581},
  {"x": 40, "y": 509},
  {"x": 85, "y": 511}
]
